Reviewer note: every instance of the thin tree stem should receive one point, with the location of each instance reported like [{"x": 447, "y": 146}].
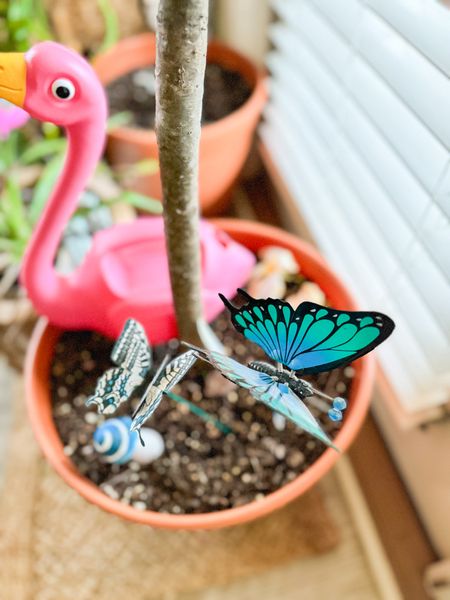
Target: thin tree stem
[{"x": 180, "y": 68}]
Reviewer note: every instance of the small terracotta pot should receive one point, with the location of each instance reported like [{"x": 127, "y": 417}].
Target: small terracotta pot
[
  {"x": 254, "y": 236},
  {"x": 224, "y": 144}
]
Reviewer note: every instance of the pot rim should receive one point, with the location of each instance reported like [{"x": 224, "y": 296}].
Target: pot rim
[
  {"x": 51, "y": 445},
  {"x": 130, "y": 47}
]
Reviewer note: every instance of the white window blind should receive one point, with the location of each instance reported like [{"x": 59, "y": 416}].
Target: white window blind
[{"x": 359, "y": 126}]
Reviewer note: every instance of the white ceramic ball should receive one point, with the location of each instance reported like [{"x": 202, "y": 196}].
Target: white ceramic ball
[{"x": 153, "y": 449}]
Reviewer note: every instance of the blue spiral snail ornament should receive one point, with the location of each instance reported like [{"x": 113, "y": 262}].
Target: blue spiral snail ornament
[{"x": 114, "y": 441}]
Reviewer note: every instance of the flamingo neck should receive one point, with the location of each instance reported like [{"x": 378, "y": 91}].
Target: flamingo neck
[{"x": 42, "y": 282}]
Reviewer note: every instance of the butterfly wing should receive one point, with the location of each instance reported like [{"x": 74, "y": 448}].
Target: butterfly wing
[
  {"x": 311, "y": 338},
  {"x": 264, "y": 322},
  {"x": 132, "y": 349},
  {"x": 146, "y": 408},
  {"x": 283, "y": 400},
  {"x": 164, "y": 382},
  {"x": 113, "y": 387},
  {"x": 132, "y": 355},
  {"x": 237, "y": 373},
  {"x": 276, "y": 396},
  {"x": 329, "y": 338}
]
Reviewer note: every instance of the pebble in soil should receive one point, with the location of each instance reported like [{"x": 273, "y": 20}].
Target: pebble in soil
[
  {"x": 202, "y": 469},
  {"x": 225, "y": 91}
]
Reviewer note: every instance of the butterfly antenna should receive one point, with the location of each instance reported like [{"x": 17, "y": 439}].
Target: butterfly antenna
[
  {"x": 201, "y": 351},
  {"x": 191, "y": 346},
  {"x": 227, "y": 303},
  {"x": 245, "y": 294},
  {"x": 318, "y": 403},
  {"x": 322, "y": 395}
]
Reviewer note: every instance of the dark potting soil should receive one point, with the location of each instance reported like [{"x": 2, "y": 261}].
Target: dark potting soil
[
  {"x": 225, "y": 91},
  {"x": 202, "y": 469}
]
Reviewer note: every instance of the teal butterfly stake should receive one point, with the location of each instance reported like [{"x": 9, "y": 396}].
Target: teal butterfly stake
[{"x": 309, "y": 339}]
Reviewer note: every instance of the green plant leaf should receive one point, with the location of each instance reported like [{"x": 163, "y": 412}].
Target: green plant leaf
[
  {"x": 8, "y": 151},
  {"x": 50, "y": 130},
  {"x": 41, "y": 149},
  {"x": 111, "y": 25},
  {"x": 13, "y": 211},
  {"x": 6, "y": 245},
  {"x": 41, "y": 28},
  {"x": 147, "y": 166},
  {"x": 44, "y": 187},
  {"x": 141, "y": 202},
  {"x": 4, "y": 230},
  {"x": 120, "y": 119},
  {"x": 14, "y": 248}
]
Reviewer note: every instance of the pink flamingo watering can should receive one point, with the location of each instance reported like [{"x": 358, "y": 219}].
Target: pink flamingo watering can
[{"x": 125, "y": 274}]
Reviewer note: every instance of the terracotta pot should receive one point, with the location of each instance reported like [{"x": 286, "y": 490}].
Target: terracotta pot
[
  {"x": 254, "y": 236},
  {"x": 224, "y": 144}
]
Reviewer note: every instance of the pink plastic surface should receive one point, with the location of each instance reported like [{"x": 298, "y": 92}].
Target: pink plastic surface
[{"x": 125, "y": 274}]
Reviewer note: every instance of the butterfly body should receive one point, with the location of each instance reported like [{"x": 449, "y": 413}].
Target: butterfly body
[{"x": 302, "y": 388}]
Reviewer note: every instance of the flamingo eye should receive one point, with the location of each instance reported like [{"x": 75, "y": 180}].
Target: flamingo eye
[{"x": 63, "y": 89}]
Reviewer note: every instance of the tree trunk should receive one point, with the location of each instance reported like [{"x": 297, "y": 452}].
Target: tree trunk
[{"x": 180, "y": 69}]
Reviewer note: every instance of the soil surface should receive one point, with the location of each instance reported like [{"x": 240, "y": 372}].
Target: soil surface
[
  {"x": 202, "y": 469},
  {"x": 225, "y": 91}
]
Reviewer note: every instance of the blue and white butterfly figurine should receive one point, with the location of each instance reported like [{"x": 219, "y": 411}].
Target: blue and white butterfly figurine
[
  {"x": 133, "y": 359},
  {"x": 309, "y": 339},
  {"x": 132, "y": 355}
]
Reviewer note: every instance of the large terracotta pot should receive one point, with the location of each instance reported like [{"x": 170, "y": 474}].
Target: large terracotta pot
[
  {"x": 254, "y": 236},
  {"x": 224, "y": 144}
]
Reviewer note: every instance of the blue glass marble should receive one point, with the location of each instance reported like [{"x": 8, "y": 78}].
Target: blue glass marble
[
  {"x": 334, "y": 414},
  {"x": 339, "y": 403}
]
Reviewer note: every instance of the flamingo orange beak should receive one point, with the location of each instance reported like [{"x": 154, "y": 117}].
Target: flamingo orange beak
[{"x": 13, "y": 77}]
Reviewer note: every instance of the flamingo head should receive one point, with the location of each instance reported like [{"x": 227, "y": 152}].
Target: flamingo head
[{"x": 52, "y": 83}]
